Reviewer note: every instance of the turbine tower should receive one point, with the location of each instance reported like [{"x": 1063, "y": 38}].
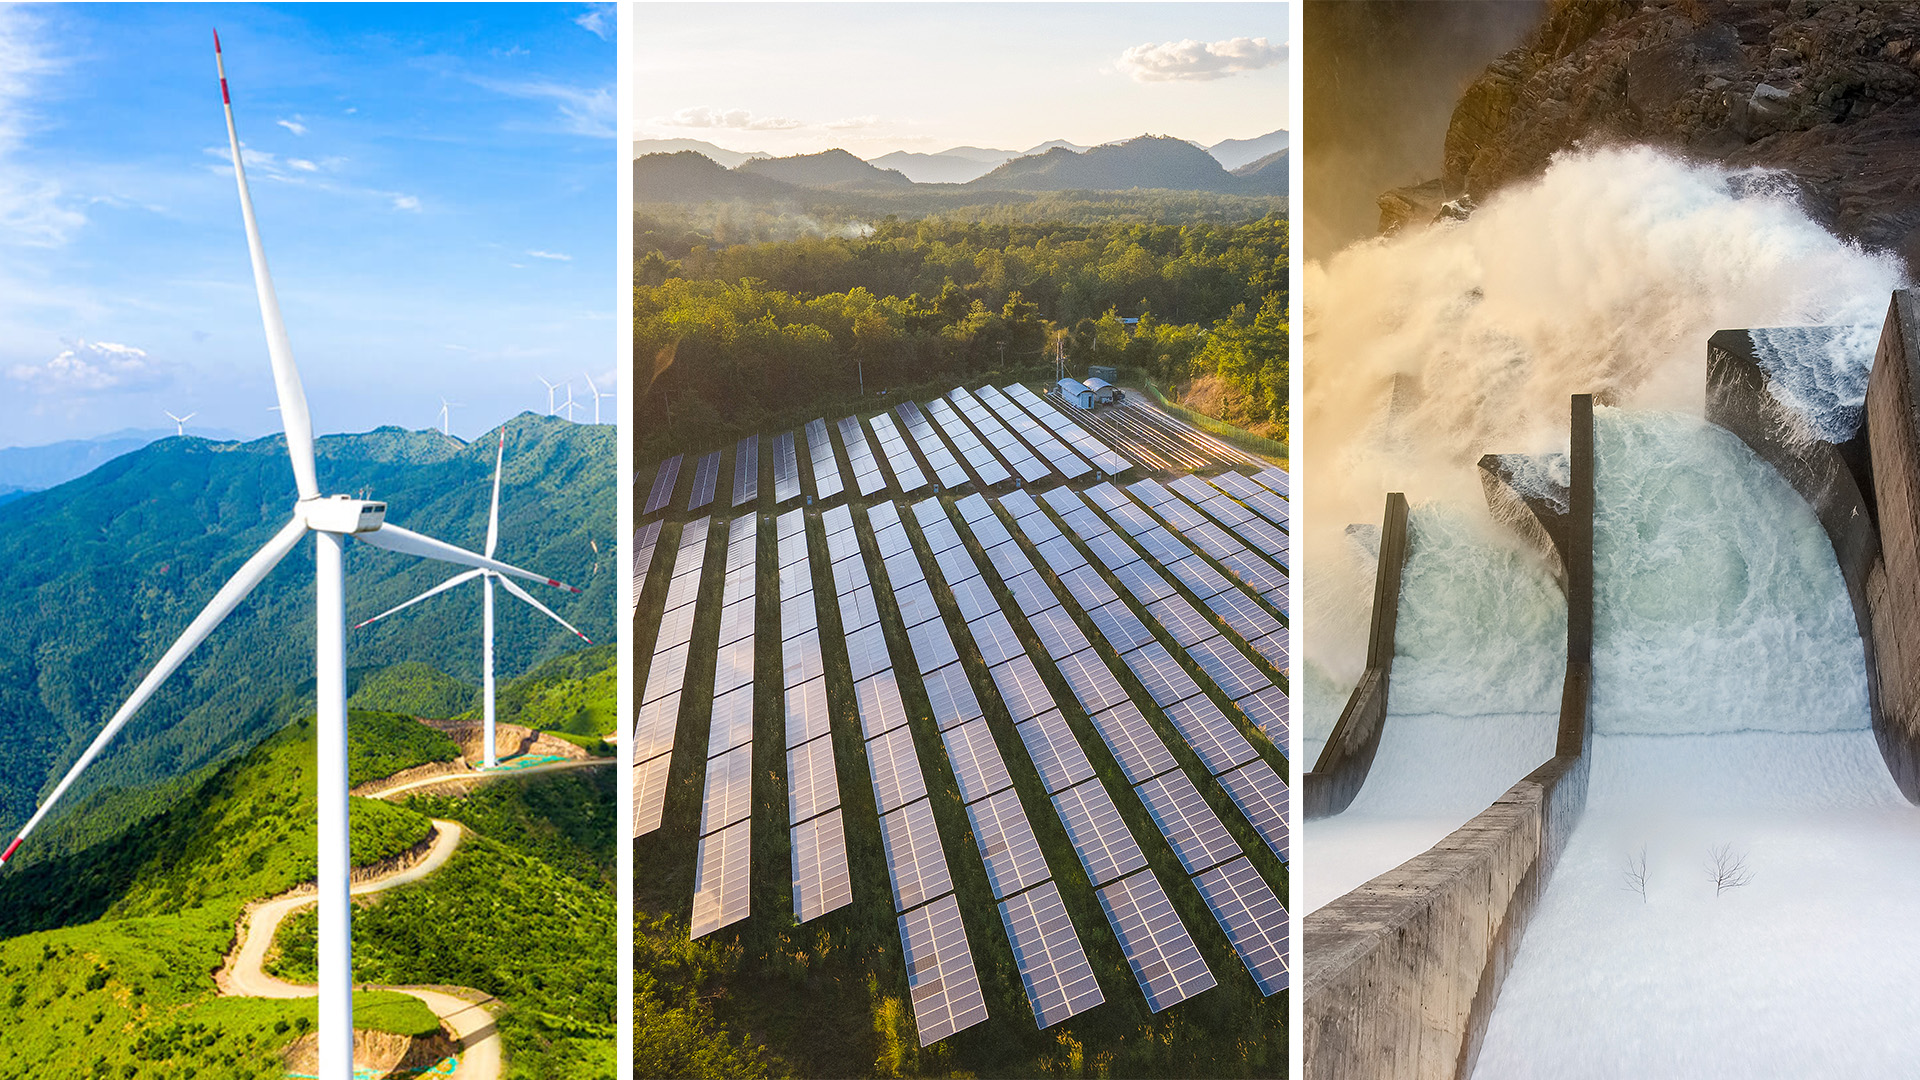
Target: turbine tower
[
  {"x": 597, "y": 395},
  {"x": 446, "y": 415},
  {"x": 180, "y": 422},
  {"x": 487, "y": 580},
  {"x": 331, "y": 520},
  {"x": 570, "y": 404},
  {"x": 551, "y": 387}
]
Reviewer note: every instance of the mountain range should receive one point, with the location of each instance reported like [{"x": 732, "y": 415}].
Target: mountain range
[
  {"x": 101, "y": 574},
  {"x": 31, "y": 468},
  {"x": 1152, "y": 162}
]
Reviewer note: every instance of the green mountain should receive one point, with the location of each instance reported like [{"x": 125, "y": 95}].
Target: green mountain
[
  {"x": 831, "y": 169},
  {"x": 1149, "y": 161},
  {"x": 103, "y": 572}
]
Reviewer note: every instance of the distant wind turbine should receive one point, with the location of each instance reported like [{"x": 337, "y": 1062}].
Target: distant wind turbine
[
  {"x": 180, "y": 422},
  {"x": 487, "y": 580},
  {"x": 597, "y": 395},
  {"x": 331, "y": 520},
  {"x": 551, "y": 387},
  {"x": 570, "y": 404},
  {"x": 446, "y": 415}
]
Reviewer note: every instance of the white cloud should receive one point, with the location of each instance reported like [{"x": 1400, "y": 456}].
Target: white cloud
[
  {"x": 598, "y": 21},
  {"x": 551, "y": 255},
  {"x": 302, "y": 164},
  {"x": 406, "y": 202},
  {"x": 294, "y": 125},
  {"x": 92, "y": 367},
  {"x": 1199, "y": 61},
  {"x": 34, "y": 210},
  {"x": 736, "y": 119},
  {"x": 584, "y": 111},
  {"x": 851, "y": 123}
]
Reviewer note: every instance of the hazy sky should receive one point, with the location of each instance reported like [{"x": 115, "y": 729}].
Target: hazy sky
[
  {"x": 435, "y": 188},
  {"x": 872, "y": 78}
]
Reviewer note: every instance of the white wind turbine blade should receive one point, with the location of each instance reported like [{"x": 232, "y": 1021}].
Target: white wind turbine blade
[
  {"x": 408, "y": 542},
  {"x": 528, "y": 597},
  {"x": 493, "y": 516},
  {"x": 235, "y": 590},
  {"x": 451, "y": 582},
  {"x": 294, "y": 417}
]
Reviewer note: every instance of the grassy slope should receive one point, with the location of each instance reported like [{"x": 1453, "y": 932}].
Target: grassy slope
[{"x": 570, "y": 695}]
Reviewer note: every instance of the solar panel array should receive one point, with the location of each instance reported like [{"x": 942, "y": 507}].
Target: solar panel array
[
  {"x": 867, "y": 477},
  {"x": 1064, "y": 461},
  {"x": 821, "y": 882},
  {"x": 746, "y": 470},
  {"x": 658, "y": 721},
  {"x": 645, "y": 539},
  {"x": 978, "y": 455},
  {"x": 786, "y": 468},
  {"x": 662, "y": 491},
  {"x": 932, "y": 447},
  {"x": 1103, "y": 456},
  {"x": 728, "y": 800},
  {"x": 826, "y": 467},
  {"x": 1004, "y": 442},
  {"x": 941, "y": 981},
  {"x": 1276, "y": 480},
  {"x": 1165, "y": 961},
  {"x": 906, "y": 471},
  {"x": 1249, "y": 526},
  {"x": 1261, "y": 501},
  {"x": 706, "y": 476},
  {"x": 1255, "y": 922}
]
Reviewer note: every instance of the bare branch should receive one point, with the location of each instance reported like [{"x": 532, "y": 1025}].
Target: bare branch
[
  {"x": 1728, "y": 871},
  {"x": 1637, "y": 873}
]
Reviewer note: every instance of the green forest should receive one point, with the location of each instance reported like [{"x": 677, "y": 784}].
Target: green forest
[{"x": 743, "y": 337}]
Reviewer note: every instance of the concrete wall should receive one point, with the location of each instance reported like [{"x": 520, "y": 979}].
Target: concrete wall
[
  {"x": 1403, "y": 972},
  {"x": 1336, "y": 778}
]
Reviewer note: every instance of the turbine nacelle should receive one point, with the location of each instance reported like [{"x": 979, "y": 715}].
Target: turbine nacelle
[{"x": 342, "y": 514}]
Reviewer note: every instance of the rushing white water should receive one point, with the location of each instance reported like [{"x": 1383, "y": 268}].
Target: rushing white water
[
  {"x": 1607, "y": 275},
  {"x": 1479, "y": 658},
  {"x": 1730, "y": 716}
]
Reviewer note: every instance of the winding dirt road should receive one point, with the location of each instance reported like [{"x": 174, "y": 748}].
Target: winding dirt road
[{"x": 462, "y": 1011}]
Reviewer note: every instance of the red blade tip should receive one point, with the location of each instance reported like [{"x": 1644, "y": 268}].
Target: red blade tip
[
  {"x": 216, "y": 39},
  {"x": 11, "y": 848}
]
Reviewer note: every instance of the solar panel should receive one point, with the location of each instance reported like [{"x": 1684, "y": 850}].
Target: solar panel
[
  {"x": 1081, "y": 519},
  {"x": 844, "y": 544},
  {"x": 932, "y": 646},
  {"x": 860, "y": 457},
  {"x": 1105, "y": 496},
  {"x": 1188, "y": 823},
  {"x": 976, "y": 760},
  {"x": 1241, "y": 612},
  {"x": 1118, "y": 624},
  {"x": 916, "y": 864},
  {"x": 990, "y": 532},
  {"x": 1261, "y": 795},
  {"x": 916, "y": 604},
  {"x": 941, "y": 981},
  {"x": 994, "y": 636},
  {"x": 858, "y": 609},
  {"x": 1061, "y": 555},
  {"x": 1165, "y": 961},
  {"x": 1093, "y": 684},
  {"x": 1182, "y": 620},
  {"x": 974, "y": 598},
  {"x": 746, "y": 470},
  {"x": 1204, "y": 580},
  {"x": 1055, "y": 751},
  {"x": 1212, "y": 736},
  {"x": 940, "y": 536},
  {"x": 1139, "y": 749},
  {"x": 1007, "y": 844},
  {"x": 836, "y": 519},
  {"x": 650, "y": 793},
  {"x": 720, "y": 892},
  {"x": 1165, "y": 548},
  {"x": 1229, "y": 669},
  {"x": 797, "y": 614},
  {"x": 881, "y": 709},
  {"x": 786, "y": 468},
  {"x": 820, "y": 879},
  {"x": 803, "y": 658},
  {"x": 684, "y": 589},
  {"x": 1030, "y": 592},
  {"x": 732, "y": 721},
  {"x": 1063, "y": 460},
  {"x": 826, "y": 468},
  {"x": 867, "y": 651},
  {"x": 645, "y": 540},
  {"x": 896, "y": 771},
  {"x": 1087, "y": 587},
  {"x": 1008, "y": 560},
  {"x": 1274, "y": 648},
  {"x": 729, "y": 796},
  {"x": 956, "y": 565},
  {"x": 849, "y": 574},
  {"x": 812, "y": 788},
  {"x": 1053, "y": 966},
  {"x": 1254, "y": 571},
  {"x": 929, "y": 512},
  {"x": 1268, "y": 711},
  {"x": 1038, "y": 527},
  {"x": 806, "y": 711},
  {"x": 951, "y": 696},
  {"x": 676, "y": 628},
  {"x": 894, "y": 448},
  {"x": 663, "y": 484},
  {"x": 667, "y": 674},
  {"x": 739, "y": 581},
  {"x": 706, "y": 476},
  {"x": 793, "y": 521},
  {"x": 654, "y": 729},
  {"x": 1164, "y": 679},
  {"x": 733, "y": 665},
  {"x": 1058, "y": 632},
  {"x": 1021, "y": 688},
  {"x": 973, "y": 508},
  {"x": 903, "y": 570},
  {"x": 1064, "y": 500},
  {"x": 922, "y": 435},
  {"x": 1109, "y": 550},
  {"x": 1274, "y": 479},
  {"x": 1099, "y": 837},
  {"x": 892, "y": 540},
  {"x": 1246, "y": 908}
]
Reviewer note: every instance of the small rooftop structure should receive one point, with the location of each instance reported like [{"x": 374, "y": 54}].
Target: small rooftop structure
[
  {"x": 1076, "y": 393},
  {"x": 1103, "y": 391}
]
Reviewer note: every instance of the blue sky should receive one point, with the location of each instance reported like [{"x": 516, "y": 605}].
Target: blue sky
[
  {"x": 435, "y": 186},
  {"x": 873, "y": 78}
]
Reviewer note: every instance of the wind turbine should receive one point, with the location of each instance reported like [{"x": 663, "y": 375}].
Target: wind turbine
[
  {"x": 180, "y": 422},
  {"x": 570, "y": 404},
  {"x": 331, "y": 520},
  {"x": 551, "y": 387},
  {"x": 597, "y": 395},
  {"x": 446, "y": 415},
  {"x": 487, "y": 580}
]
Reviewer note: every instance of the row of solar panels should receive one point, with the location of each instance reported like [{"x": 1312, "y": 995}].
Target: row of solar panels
[
  {"x": 645, "y": 539},
  {"x": 939, "y": 458},
  {"x": 907, "y": 474},
  {"x": 1064, "y": 461},
  {"x": 867, "y": 477},
  {"x": 721, "y": 889},
  {"x": 826, "y": 467},
  {"x": 1258, "y": 575},
  {"x": 1195, "y": 833},
  {"x": 658, "y": 720},
  {"x": 1090, "y": 447},
  {"x": 821, "y": 882},
  {"x": 1249, "y": 525},
  {"x": 1268, "y": 504},
  {"x": 1020, "y": 459}
]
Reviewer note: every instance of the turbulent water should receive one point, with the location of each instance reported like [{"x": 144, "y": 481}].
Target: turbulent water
[
  {"x": 1731, "y": 733},
  {"x": 1479, "y": 658}
]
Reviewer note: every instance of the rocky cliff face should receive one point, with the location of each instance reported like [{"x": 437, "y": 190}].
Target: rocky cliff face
[{"x": 1827, "y": 92}]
